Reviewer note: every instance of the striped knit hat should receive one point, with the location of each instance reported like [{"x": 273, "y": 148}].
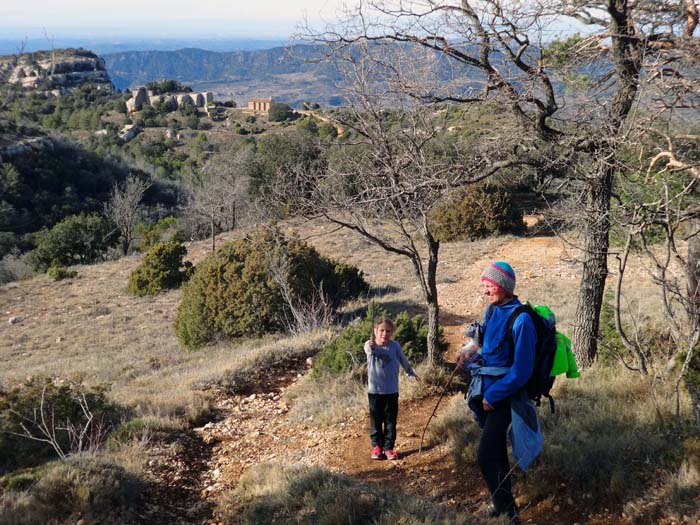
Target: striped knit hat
[{"x": 501, "y": 274}]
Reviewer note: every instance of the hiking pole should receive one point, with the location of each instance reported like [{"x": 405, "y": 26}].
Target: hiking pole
[{"x": 444, "y": 390}]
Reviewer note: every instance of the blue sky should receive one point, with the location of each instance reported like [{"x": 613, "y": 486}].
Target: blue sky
[{"x": 160, "y": 19}]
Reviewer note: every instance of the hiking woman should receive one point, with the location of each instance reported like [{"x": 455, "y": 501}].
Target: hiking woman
[
  {"x": 384, "y": 355},
  {"x": 499, "y": 372}
]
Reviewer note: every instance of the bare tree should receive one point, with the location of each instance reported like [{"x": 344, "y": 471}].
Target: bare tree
[
  {"x": 668, "y": 207},
  {"x": 496, "y": 50},
  {"x": 43, "y": 426},
  {"x": 219, "y": 192},
  {"x": 307, "y": 314},
  {"x": 123, "y": 209},
  {"x": 385, "y": 182}
]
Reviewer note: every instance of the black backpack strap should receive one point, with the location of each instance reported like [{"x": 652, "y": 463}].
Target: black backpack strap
[
  {"x": 489, "y": 313},
  {"x": 509, "y": 326}
]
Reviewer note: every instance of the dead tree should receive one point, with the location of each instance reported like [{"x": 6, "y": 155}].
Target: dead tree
[
  {"x": 384, "y": 182},
  {"x": 218, "y": 192},
  {"x": 492, "y": 50},
  {"x": 123, "y": 208}
]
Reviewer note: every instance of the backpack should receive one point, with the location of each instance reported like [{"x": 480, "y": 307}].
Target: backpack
[{"x": 553, "y": 354}]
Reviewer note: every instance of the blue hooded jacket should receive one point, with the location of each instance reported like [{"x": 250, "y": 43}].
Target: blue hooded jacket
[{"x": 496, "y": 351}]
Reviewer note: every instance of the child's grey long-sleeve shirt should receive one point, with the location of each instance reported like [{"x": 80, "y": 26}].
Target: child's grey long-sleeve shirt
[{"x": 383, "y": 367}]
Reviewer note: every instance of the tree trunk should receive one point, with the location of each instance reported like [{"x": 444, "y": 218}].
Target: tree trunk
[
  {"x": 432, "y": 300},
  {"x": 627, "y": 60},
  {"x": 213, "y": 236},
  {"x": 694, "y": 306},
  {"x": 595, "y": 266},
  {"x": 694, "y": 272}
]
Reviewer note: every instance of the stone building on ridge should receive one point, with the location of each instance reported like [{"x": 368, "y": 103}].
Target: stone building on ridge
[{"x": 260, "y": 104}]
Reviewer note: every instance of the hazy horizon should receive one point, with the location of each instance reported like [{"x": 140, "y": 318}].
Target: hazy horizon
[
  {"x": 108, "y": 44},
  {"x": 174, "y": 19}
]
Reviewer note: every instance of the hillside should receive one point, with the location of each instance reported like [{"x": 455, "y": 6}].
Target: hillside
[
  {"x": 89, "y": 327},
  {"x": 289, "y": 74}
]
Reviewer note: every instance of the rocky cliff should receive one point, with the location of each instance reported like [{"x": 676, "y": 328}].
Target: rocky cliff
[{"x": 56, "y": 71}]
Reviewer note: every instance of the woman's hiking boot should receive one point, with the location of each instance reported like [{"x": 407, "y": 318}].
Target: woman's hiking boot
[{"x": 512, "y": 514}]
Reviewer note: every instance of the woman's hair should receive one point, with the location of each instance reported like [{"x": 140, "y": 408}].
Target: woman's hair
[{"x": 387, "y": 321}]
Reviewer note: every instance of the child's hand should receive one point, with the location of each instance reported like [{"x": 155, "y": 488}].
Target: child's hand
[{"x": 372, "y": 341}]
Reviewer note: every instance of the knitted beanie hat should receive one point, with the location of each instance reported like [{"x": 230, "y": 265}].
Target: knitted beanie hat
[{"x": 501, "y": 274}]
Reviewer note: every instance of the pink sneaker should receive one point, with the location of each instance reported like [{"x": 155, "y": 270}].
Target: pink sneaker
[
  {"x": 391, "y": 454},
  {"x": 377, "y": 452}
]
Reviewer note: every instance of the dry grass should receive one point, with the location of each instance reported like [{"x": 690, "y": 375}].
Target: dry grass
[
  {"x": 275, "y": 493},
  {"x": 89, "y": 327},
  {"x": 84, "y": 487},
  {"x": 326, "y": 400}
]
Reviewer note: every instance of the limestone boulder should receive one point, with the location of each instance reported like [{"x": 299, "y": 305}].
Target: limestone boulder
[{"x": 128, "y": 132}]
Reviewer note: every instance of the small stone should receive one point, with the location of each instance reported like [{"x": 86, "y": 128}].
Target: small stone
[{"x": 13, "y": 320}]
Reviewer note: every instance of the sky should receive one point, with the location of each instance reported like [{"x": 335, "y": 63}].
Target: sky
[{"x": 258, "y": 19}]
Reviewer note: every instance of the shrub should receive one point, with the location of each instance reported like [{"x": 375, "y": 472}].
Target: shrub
[
  {"x": 237, "y": 291},
  {"x": 279, "y": 112},
  {"x": 151, "y": 234},
  {"x": 167, "y": 86},
  {"x": 82, "y": 488},
  {"x": 327, "y": 131},
  {"x": 61, "y": 404},
  {"x": 76, "y": 239},
  {"x": 161, "y": 269},
  {"x": 347, "y": 353},
  {"x": 308, "y": 125},
  {"x": 476, "y": 212},
  {"x": 58, "y": 273}
]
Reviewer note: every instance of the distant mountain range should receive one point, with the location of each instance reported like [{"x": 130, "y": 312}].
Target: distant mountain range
[
  {"x": 103, "y": 45},
  {"x": 289, "y": 74}
]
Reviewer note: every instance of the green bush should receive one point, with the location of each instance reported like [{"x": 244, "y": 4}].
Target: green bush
[
  {"x": 83, "y": 488},
  {"x": 60, "y": 404},
  {"x": 327, "y": 131},
  {"x": 308, "y": 125},
  {"x": 279, "y": 112},
  {"x": 58, "y": 273},
  {"x": 234, "y": 293},
  {"x": 161, "y": 269},
  {"x": 78, "y": 239},
  {"x": 476, "y": 212},
  {"x": 162, "y": 87},
  {"x": 347, "y": 353},
  {"x": 151, "y": 234}
]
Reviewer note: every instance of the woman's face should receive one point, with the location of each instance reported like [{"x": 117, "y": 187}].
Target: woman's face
[
  {"x": 383, "y": 333},
  {"x": 494, "y": 293}
]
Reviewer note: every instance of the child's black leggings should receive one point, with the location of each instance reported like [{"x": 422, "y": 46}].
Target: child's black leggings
[
  {"x": 493, "y": 457},
  {"x": 383, "y": 411}
]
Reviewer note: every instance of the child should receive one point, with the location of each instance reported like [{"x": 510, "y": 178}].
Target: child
[{"x": 384, "y": 355}]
